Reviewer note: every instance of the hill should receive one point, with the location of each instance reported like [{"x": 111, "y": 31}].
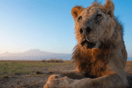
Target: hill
[{"x": 34, "y": 54}]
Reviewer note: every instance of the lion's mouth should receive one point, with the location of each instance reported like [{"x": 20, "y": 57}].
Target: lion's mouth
[{"x": 87, "y": 44}]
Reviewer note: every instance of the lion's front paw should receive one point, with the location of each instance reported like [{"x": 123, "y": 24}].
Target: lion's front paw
[{"x": 56, "y": 81}]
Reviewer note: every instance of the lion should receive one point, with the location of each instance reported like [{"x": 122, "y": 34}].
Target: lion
[{"x": 100, "y": 55}]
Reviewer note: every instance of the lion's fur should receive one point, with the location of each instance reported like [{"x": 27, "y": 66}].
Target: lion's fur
[
  {"x": 106, "y": 60},
  {"x": 93, "y": 62}
]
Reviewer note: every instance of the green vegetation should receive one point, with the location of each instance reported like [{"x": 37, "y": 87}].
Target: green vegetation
[{"x": 25, "y": 67}]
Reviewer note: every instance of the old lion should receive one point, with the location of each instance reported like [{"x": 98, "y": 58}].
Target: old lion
[{"x": 100, "y": 55}]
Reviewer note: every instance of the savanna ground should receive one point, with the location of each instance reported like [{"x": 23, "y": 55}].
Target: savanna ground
[{"x": 34, "y": 74}]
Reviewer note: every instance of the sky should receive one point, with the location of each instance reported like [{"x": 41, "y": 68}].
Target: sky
[{"x": 48, "y": 24}]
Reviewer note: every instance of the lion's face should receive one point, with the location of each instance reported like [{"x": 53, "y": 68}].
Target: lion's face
[{"x": 92, "y": 25}]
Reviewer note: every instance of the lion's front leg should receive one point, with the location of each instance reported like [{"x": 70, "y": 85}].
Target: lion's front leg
[
  {"x": 110, "y": 81},
  {"x": 56, "y": 81}
]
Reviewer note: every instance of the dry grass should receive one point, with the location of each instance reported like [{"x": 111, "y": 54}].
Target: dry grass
[
  {"x": 33, "y": 80},
  {"x": 27, "y": 67}
]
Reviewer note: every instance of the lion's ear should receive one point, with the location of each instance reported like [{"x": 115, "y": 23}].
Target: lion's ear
[
  {"x": 109, "y": 6},
  {"x": 76, "y": 11}
]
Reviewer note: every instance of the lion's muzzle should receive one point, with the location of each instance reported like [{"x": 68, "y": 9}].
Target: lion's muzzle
[{"x": 87, "y": 44}]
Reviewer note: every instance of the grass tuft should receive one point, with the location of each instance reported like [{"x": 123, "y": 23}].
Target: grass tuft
[
  {"x": 38, "y": 72},
  {"x": 5, "y": 76}
]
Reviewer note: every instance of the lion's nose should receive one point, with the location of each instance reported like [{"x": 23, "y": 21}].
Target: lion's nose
[
  {"x": 81, "y": 30},
  {"x": 86, "y": 30}
]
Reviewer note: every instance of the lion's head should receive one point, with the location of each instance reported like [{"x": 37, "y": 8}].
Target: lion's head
[{"x": 94, "y": 25}]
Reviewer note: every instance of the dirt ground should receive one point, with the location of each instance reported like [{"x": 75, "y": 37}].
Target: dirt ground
[{"x": 28, "y": 81}]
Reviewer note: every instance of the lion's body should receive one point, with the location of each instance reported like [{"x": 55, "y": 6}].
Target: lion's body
[{"x": 100, "y": 55}]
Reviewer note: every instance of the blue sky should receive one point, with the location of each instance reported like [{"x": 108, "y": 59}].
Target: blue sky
[{"x": 48, "y": 25}]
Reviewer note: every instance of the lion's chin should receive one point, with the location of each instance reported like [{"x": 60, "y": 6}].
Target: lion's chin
[{"x": 88, "y": 45}]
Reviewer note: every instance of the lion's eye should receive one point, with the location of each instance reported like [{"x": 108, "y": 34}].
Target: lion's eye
[
  {"x": 79, "y": 18},
  {"x": 98, "y": 16}
]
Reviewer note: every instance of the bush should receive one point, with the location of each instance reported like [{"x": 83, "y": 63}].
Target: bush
[
  {"x": 53, "y": 60},
  {"x": 43, "y": 60}
]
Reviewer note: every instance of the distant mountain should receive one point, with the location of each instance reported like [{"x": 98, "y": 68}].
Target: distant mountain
[{"x": 34, "y": 54}]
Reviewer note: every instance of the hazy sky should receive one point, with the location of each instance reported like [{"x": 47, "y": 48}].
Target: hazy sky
[{"x": 48, "y": 25}]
